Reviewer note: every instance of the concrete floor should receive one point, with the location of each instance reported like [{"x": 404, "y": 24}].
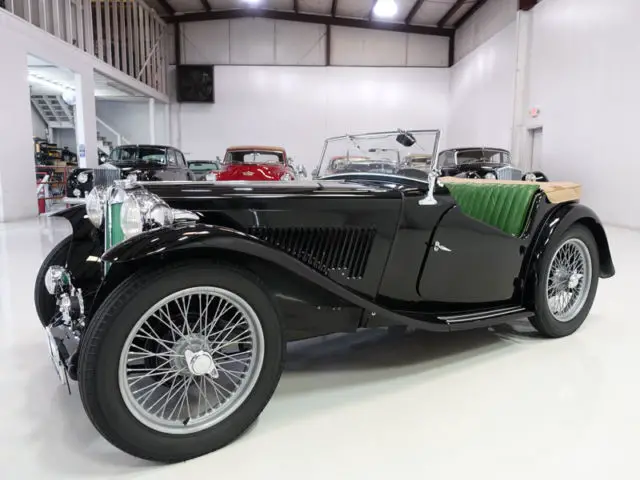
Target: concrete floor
[{"x": 480, "y": 404}]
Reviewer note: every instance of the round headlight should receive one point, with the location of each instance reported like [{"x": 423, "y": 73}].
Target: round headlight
[
  {"x": 95, "y": 206},
  {"x": 490, "y": 176},
  {"x": 531, "y": 177},
  {"x": 55, "y": 274},
  {"x": 131, "y": 218},
  {"x": 83, "y": 177},
  {"x": 286, "y": 177},
  {"x": 160, "y": 214},
  {"x": 77, "y": 192}
]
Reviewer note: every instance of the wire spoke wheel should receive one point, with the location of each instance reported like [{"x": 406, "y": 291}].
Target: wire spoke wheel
[
  {"x": 191, "y": 360},
  {"x": 568, "y": 279}
]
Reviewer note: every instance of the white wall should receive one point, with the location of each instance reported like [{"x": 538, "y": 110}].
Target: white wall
[
  {"x": 131, "y": 120},
  {"x": 298, "y": 107},
  {"x": 482, "y": 93},
  {"x": 584, "y": 76},
  {"x": 260, "y": 41},
  {"x": 490, "y": 19}
]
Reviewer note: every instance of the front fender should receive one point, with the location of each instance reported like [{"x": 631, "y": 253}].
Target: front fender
[
  {"x": 76, "y": 215},
  {"x": 558, "y": 222},
  {"x": 193, "y": 241}
]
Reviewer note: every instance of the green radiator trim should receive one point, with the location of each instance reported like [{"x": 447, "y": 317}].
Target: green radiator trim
[
  {"x": 502, "y": 205},
  {"x": 117, "y": 235}
]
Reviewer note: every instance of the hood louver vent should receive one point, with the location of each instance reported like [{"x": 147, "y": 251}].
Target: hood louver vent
[{"x": 324, "y": 249}]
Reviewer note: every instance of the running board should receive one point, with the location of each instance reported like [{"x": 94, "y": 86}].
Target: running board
[{"x": 496, "y": 314}]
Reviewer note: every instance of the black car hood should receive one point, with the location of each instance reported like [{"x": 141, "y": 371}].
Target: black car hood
[{"x": 480, "y": 165}]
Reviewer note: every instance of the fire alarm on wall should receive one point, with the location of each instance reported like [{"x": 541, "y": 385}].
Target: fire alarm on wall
[{"x": 534, "y": 111}]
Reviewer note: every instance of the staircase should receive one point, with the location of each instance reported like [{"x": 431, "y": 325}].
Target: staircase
[
  {"x": 57, "y": 113},
  {"x": 54, "y": 110}
]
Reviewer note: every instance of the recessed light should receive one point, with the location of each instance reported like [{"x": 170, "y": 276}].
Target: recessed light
[{"x": 385, "y": 8}]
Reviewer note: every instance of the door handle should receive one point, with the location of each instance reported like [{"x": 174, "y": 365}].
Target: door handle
[{"x": 438, "y": 246}]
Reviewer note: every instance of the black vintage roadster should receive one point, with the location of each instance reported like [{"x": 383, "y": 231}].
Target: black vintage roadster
[{"x": 171, "y": 302}]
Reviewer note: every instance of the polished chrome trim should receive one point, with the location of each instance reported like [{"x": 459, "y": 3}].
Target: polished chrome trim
[
  {"x": 438, "y": 246},
  {"x": 472, "y": 317}
]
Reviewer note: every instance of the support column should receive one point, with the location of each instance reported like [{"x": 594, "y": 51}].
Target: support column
[
  {"x": 167, "y": 124},
  {"x": 152, "y": 121},
  {"x": 85, "y": 116},
  {"x": 521, "y": 91},
  {"x": 17, "y": 167}
]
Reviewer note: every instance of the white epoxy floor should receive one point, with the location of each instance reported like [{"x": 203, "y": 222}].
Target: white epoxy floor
[{"x": 480, "y": 404}]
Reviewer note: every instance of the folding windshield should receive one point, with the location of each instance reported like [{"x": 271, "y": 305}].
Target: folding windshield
[
  {"x": 254, "y": 157},
  {"x": 381, "y": 152},
  {"x": 139, "y": 154}
]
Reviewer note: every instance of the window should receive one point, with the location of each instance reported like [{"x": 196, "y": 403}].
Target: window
[
  {"x": 254, "y": 157},
  {"x": 181, "y": 160},
  {"x": 171, "y": 155},
  {"x": 447, "y": 159}
]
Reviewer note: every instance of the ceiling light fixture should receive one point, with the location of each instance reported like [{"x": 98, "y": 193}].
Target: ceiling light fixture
[{"x": 385, "y": 8}]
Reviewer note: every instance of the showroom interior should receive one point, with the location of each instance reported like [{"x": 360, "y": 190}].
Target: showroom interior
[{"x": 548, "y": 84}]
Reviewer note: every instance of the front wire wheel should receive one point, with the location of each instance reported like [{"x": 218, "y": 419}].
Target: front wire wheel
[
  {"x": 180, "y": 361},
  {"x": 191, "y": 360},
  {"x": 568, "y": 280}
]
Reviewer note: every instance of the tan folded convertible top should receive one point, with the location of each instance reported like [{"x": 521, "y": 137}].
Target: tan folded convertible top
[{"x": 556, "y": 192}]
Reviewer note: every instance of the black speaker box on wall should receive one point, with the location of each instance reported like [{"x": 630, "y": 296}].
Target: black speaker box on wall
[{"x": 195, "y": 83}]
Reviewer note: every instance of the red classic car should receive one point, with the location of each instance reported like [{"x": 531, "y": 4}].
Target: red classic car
[{"x": 255, "y": 163}]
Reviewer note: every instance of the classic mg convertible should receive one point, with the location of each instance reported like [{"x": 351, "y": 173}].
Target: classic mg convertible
[{"x": 172, "y": 302}]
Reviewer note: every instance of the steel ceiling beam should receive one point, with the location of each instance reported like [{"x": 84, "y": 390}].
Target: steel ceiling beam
[
  {"x": 308, "y": 18},
  {"x": 206, "y": 5},
  {"x": 468, "y": 15},
  {"x": 334, "y": 8},
  {"x": 527, "y": 4},
  {"x": 413, "y": 11},
  {"x": 168, "y": 8},
  {"x": 455, "y": 8}
]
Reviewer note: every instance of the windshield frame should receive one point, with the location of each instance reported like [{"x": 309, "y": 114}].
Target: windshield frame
[{"x": 378, "y": 135}]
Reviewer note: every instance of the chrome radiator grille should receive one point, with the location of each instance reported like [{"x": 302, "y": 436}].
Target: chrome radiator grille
[
  {"x": 324, "y": 249},
  {"x": 105, "y": 176},
  {"x": 508, "y": 173}
]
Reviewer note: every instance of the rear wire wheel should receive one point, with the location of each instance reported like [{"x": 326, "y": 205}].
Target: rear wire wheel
[
  {"x": 568, "y": 280},
  {"x": 179, "y": 362}
]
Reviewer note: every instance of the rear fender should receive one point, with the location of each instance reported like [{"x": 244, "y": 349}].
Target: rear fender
[{"x": 557, "y": 223}]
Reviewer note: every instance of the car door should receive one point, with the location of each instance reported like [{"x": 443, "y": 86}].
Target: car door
[
  {"x": 183, "y": 172},
  {"x": 469, "y": 261},
  {"x": 171, "y": 170}
]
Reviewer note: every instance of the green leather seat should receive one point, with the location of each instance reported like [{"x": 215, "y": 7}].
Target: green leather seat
[{"x": 502, "y": 205}]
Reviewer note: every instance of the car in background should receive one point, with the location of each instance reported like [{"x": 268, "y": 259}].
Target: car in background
[
  {"x": 484, "y": 162},
  {"x": 140, "y": 162},
  {"x": 201, "y": 168},
  {"x": 255, "y": 163}
]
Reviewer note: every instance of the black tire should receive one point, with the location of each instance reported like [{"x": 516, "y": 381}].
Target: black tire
[
  {"x": 46, "y": 303},
  {"x": 544, "y": 321},
  {"x": 105, "y": 336}
]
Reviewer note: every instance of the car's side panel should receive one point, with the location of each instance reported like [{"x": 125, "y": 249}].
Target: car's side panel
[
  {"x": 398, "y": 287},
  {"x": 470, "y": 262}
]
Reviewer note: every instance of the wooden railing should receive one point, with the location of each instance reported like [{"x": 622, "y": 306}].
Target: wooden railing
[{"x": 126, "y": 34}]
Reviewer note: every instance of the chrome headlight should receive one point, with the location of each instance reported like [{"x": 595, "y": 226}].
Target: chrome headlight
[
  {"x": 530, "y": 177},
  {"x": 55, "y": 277},
  {"x": 77, "y": 192},
  {"x": 287, "y": 177},
  {"x": 95, "y": 205},
  {"x": 142, "y": 210},
  {"x": 83, "y": 177},
  {"x": 490, "y": 176}
]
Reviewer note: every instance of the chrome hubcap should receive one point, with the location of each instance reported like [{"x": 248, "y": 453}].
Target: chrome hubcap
[
  {"x": 191, "y": 360},
  {"x": 568, "y": 280}
]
